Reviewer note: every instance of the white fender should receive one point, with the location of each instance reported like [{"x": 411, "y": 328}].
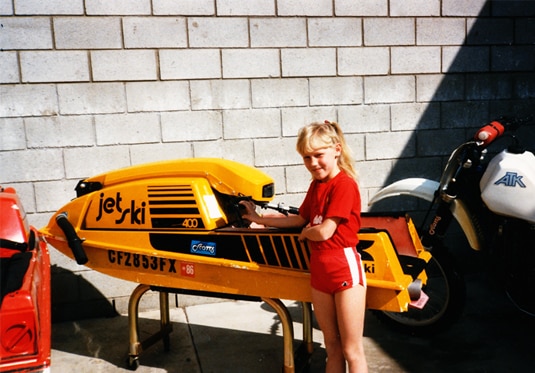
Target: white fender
[
  {"x": 425, "y": 189},
  {"x": 415, "y": 187}
]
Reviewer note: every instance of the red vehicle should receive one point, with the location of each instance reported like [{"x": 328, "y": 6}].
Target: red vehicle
[{"x": 25, "y": 320}]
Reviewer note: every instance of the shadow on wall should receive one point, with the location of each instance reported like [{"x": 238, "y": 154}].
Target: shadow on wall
[{"x": 492, "y": 75}]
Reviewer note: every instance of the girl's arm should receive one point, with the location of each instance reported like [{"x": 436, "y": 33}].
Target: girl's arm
[
  {"x": 291, "y": 221},
  {"x": 321, "y": 232}
]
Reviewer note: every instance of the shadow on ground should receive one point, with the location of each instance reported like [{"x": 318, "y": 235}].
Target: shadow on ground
[{"x": 491, "y": 336}]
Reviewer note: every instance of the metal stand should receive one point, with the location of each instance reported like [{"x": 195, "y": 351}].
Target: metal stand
[{"x": 136, "y": 346}]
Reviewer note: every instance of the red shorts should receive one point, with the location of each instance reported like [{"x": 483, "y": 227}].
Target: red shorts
[{"x": 336, "y": 270}]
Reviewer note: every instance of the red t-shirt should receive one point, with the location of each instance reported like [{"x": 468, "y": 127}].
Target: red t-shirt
[{"x": 337, "y": 198}]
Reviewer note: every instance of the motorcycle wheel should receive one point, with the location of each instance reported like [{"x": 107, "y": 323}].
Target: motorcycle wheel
[
  {"x": 516, "y": 261},
  {"x": 446, "y": 290}
]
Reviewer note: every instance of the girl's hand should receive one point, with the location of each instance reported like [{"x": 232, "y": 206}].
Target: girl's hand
[
  {"x": 302, "y": 237},
  {"x": 250, "y": 211}
]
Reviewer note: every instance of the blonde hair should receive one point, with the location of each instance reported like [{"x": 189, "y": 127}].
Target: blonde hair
[{"x": 321, "y": 135}]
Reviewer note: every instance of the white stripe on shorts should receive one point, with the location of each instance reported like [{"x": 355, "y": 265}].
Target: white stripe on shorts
[{"x": 355, "y": 267}]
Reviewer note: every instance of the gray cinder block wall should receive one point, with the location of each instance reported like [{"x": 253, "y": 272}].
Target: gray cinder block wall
[{"x": 87, "y": 86}]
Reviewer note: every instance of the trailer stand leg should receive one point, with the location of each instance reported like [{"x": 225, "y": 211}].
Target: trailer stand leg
[
  {"x": 307, "y": 327},
  {"x": 136, "y": 346},
  {"x": 304, "y": 352},
  {"x": 287, "y": 332},
  {"x": 165, "y": 324}
]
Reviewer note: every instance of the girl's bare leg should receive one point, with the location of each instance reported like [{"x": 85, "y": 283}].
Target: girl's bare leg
[
  {"x": 350, "y": 308},
  {"x": 325, "y": 312}
]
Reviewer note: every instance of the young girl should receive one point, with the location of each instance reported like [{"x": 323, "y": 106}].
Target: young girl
[{"x": 330, "y": 218}]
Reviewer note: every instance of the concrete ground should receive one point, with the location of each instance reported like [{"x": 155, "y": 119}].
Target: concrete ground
[{"x": 238, "y": 336}]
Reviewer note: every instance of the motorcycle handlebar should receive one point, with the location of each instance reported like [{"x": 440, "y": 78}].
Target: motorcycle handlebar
[
  {"x": 491, "y": 131},
  {"x": 280, "y": 207},
  {"x": 471, "y": 151},
  {"x": 488, "y": 133}
]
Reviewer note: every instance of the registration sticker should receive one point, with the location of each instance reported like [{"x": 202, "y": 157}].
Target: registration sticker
[{"x": 187, "y": 269}]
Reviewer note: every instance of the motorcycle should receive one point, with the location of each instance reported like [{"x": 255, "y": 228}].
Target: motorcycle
[{"x": 487, "y": 187}]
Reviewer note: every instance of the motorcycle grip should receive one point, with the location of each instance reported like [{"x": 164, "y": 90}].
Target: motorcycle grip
[
  {"x": 75, "y": 242},
  {"x": 489, "y": 132},
  {"x": 293, "y": 210}
]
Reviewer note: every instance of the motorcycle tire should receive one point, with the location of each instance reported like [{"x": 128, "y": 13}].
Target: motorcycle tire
[
  {"x": 515, "y": 263},
  {"x": 446, "y": 290}
]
